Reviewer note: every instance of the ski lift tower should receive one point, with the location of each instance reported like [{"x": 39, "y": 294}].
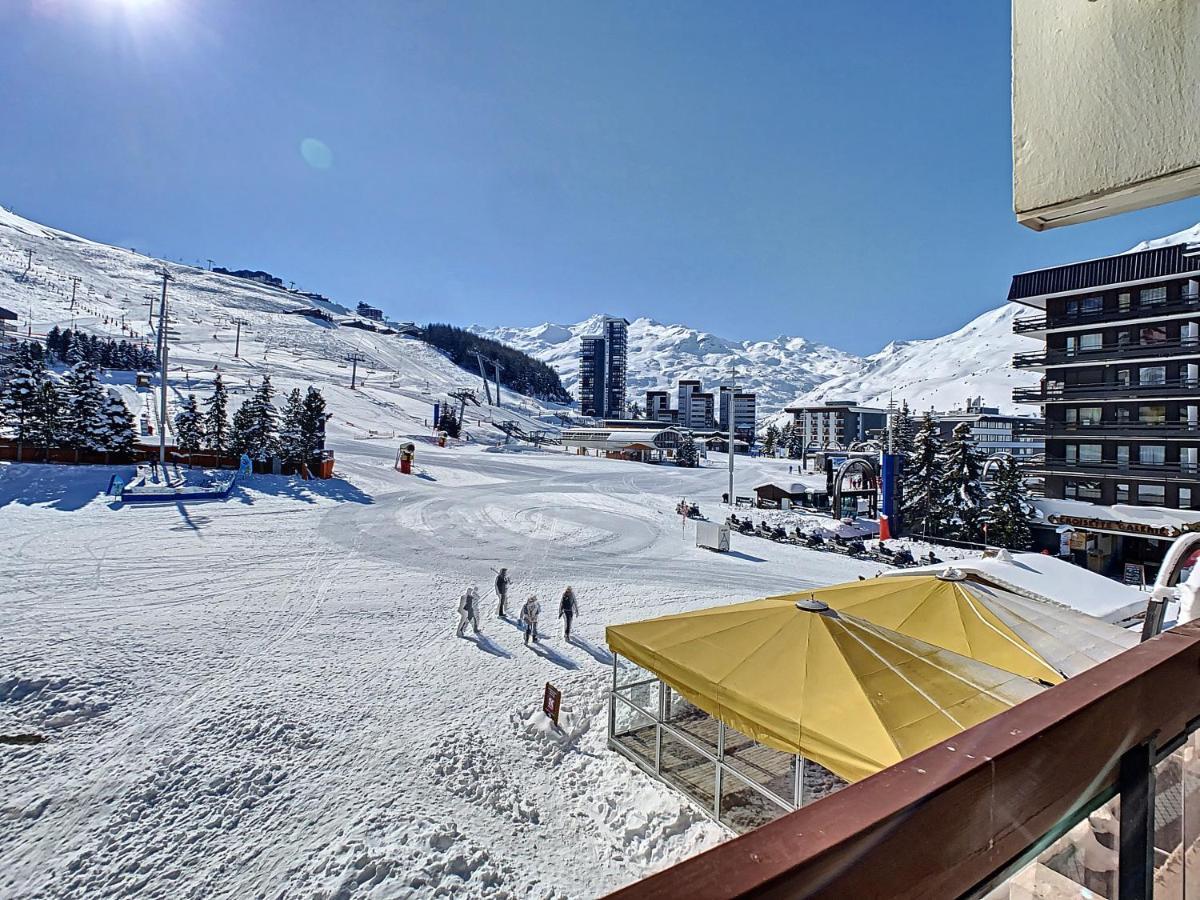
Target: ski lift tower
[{"x": 487, "y": 391}]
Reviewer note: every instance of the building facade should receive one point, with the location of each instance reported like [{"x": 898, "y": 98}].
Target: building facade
[
  {"x": 370, "y": 312},
  {"x": 1120, "y": 390},
  {"x": 683, "y": 400},
  {"x": 658, "y": 406},
  {"x": 994, "y": 433},
  {"x": 745, "y": 411},
  {"x": 701, "y": 411},
  {"x": 837, "y": 423},
  {"x": 602, "y": 370}
]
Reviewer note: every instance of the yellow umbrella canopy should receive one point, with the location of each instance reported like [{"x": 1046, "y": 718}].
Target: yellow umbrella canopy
[
  {"x": 803, "y": 678},
  {"x": 943, "y": 612}
]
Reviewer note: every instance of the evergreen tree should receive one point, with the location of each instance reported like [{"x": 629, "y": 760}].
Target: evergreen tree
[
  {"x": 84, "y": 425},
  {"x": 922, "y": 486},
  {"x": 46, "y": 425},
  {"x": 312, "y": 424},
  {"x": 635, "y": 410},
  {"x": 795, "y": 444},
  {"x": 241, "y": 430},
  {"x": 22, "y": 382},
  {"x": 121, "y": 434},
  {"x": 964, "y": 492},
  {"x": 216, "y": 418},
  {"x": 688, "y": 455},
  {"x": 902, "y": 430},
  {"x": 770, "y": 440},
  {"x": 291, "y": 429},
  {"x": 54, "y": 341},
  {"x": 189, "y": 427},
  {"x": 1008, "y": 512}
]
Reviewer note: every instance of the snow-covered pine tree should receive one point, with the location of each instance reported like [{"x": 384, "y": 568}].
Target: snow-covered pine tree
[
  {"x": 291, "y": 429},
  {"x": 964, "y": 513},
  {"x": 46, "y": 426},
  {"x": 22, "y": 380},
  {"x": 1009, "y": 511},
  {"x": 242, "y": 428},
  {"x": 189, "y": 427},
  {"x": 260, "y": 425},
  {"x": 312, "y": 424},
  {"x": 688, "y": 455},
  {"x": 216, "y": 419},
  {"x": 795, "y": 443},
  {"x": 84, "y": 425},
  {"x": 54, "y": 341},
  {"x": 902, "y": 430},
  {"x": 770, "y": 440},
  {"x": 121, "y": 433},
  {"x": 922, "y": 485}
]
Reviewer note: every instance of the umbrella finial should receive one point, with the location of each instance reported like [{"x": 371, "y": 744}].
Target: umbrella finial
[{"x": 813, "y": 605}]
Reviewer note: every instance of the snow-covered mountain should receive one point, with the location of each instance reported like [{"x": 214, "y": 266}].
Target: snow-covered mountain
[
  {"x": 659, "y": 355},
  {"x": 942, "y": 372}
]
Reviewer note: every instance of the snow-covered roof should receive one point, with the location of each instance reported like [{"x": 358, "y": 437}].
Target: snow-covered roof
[
  {"x": 1150, "y": 521},
  {"x": 791, "y": 487},
  {"x": 1050, "y": 579}
]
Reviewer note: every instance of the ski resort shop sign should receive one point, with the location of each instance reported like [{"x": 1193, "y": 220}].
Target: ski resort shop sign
[
  {"x": 1141, "y": 529},
  {"x": 551, "y": 702}
]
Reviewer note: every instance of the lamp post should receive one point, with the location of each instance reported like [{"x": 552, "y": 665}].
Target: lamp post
[
  {"x": 162, "y": 372},
  {"x": 732, "y": 420}
]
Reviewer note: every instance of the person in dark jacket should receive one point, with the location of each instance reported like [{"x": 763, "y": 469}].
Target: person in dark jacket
[
  {"x": 568, "y": 608},
  {"x": 502, "y": 589}
]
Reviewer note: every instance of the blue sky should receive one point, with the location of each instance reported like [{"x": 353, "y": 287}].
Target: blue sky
[{"x": 840, "y": 171}]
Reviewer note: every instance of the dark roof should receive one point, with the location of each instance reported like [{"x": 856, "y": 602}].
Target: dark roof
[
  {"x": 7, "y": 314},
  {"x": 1147, "y": 265}
]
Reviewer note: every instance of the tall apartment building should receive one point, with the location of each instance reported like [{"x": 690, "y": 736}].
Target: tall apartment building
[
  {"x": 701, "y": 411},
  {"x": 658, "y": 406},
  {"x": 839, "y": 422},
  {"x": 745, "y": 411},
  {"x": 994, "y": 433},
  {"x": 683, "y": 400},
  {"x": 1120, "y": 388},
  {"x": 602, "y": 370}
]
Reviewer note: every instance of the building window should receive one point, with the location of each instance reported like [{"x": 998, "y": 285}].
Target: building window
[
  {"x": 1082, "y": 490},
  {"x": 1151, "y": 495},
  {"x": 1191, "y": 290},
  {"x": 1152, "y": 334},
  {"x": 1090, "y": 454},
  {"x": 1121, "y": 415},
  {"x": 1152, "y": 296},
  {"x": 1122, "y": 493},
  {"x": 1189, "y": 459},
  {"x": 1152, "y": 454},
  {"x": 1071, "y": 452},
  {"x": 1152, "y": 375},
  {"x": 1122, "y": 456},
  {"x": 1123, "y": 303},
  {"x": 1189, "y": 333},
  {"x": 1152, "y": 415},
  {"x": 1185, "y": 498}
]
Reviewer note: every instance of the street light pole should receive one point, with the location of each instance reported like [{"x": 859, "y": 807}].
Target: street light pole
[
  {"x": 732, "y": 419},
  {"x": 162, "y": 373}
]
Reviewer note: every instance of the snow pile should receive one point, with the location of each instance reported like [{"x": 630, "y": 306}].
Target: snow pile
[{"x": 1186, "y": 236}]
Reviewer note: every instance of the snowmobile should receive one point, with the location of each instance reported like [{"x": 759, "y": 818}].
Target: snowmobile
[
  {"x": 692, "y": 511},
  {"x": 903, "y": 558}
]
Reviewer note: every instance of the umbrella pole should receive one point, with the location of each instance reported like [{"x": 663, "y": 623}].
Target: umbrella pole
[{"x": 798, "y": 798}]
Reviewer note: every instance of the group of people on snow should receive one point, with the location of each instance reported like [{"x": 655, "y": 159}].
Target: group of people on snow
[{"x": 469, "y": 613}]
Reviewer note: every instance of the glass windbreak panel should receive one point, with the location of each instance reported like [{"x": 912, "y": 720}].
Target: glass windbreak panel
[
  {"x": 682, "y": 715},
  {"x": 633, "y": 730},
  {"x": 1152, "y": 375},
  {"x": 1081, "y": 864},
  {"x": 688, "y": 770},
  {"x": 742, "y": 807},
  {"x": 773, "y": 769},
  {"x": 1155, "y": 414},
  {"x": 1152, "y": 296},
  {"x": 1177, "y": 825},
  {"x": 629, "y": 672}
]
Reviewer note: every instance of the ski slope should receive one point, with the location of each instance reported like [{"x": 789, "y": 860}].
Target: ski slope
[
  {"x": 400, "y": 378},
  {"x": 266, "y": 697}
]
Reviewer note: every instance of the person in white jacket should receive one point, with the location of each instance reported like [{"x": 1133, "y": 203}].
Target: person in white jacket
[
  {"x": 529, "y": 617},
  {"x": 468, "y": 611}
]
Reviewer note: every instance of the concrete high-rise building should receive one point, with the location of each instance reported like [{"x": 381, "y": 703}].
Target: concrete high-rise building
[
  {"x": 602, "y": 370},
  {"x": 745, "y": 411},
  {"x": 683, "y": 400},
  {"x": 658, "y": 406},
  {"x": 700, "y": 411}
]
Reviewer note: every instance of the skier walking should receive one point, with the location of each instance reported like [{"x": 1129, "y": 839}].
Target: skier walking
[
  {"x": 468, "y": 611},
  {"x": 502, "y": 589},
  {"x": 568, "y": 608},
  {"x": 529, "y": 617}
]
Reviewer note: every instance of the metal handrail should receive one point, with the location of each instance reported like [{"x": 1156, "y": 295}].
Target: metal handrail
[
  {"x": 1099, "y": 354},
  {"x": 1042, "y": 322},
  {"x": 1101, "y": 390}
]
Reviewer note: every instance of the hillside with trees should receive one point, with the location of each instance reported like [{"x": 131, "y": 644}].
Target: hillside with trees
[{"x": 519, "y": 371}]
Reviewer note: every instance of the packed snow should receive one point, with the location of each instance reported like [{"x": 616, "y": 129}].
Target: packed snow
[{"x": 265, "y": 695}]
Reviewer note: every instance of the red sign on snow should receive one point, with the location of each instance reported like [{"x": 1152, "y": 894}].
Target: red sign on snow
[{"x": 551, "y": 702}]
